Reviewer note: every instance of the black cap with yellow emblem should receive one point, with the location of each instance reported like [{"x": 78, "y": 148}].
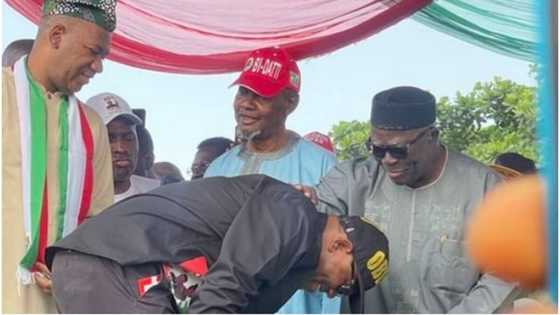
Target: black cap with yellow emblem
[{"x": 370, "y": 249}]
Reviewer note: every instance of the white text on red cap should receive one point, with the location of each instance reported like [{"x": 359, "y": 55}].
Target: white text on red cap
[{"x": 265, "y": 67}]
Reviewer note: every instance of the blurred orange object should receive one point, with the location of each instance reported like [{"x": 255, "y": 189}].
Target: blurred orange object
[
  {"x": 506, "y": 235},
  {"x": 537, "y": 308}
]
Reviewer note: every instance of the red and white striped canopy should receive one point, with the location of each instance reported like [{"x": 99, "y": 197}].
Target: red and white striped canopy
[{"x": 202, "y": 37}]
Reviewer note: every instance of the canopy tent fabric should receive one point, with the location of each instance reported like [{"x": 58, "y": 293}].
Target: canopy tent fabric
[
  {"x": 202, "y": 37},
  {"x": 505, "y": 26}
]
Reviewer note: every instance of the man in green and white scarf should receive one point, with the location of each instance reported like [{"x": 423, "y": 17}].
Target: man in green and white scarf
[{"x": 56, "y": 157}]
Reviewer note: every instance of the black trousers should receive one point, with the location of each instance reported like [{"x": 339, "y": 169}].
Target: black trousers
[{"x": 84, "y": 283}]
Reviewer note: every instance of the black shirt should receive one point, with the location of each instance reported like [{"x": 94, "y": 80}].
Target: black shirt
[{"x": 261, "y": 237}]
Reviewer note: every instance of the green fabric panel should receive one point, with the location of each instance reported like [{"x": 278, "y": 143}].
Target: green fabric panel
[
  {"x": 38, "y": 169},
  {"x": 62, "y": 166},
  {"x": 506, "y": 27}
]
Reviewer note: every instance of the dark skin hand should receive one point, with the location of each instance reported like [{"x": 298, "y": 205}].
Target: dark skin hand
[{"x": 42, "y": 278}]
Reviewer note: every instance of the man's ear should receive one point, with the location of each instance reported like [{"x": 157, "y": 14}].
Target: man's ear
[
  {"x": 55, "y": 35},
  {"x": 340, "y": 244},
  {"x": 292, "y": 100},
  {"x": 435, "y": 134}
]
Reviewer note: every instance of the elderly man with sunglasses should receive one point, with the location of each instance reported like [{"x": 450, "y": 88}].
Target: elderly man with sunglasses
[{"x": 420, "y": 194}]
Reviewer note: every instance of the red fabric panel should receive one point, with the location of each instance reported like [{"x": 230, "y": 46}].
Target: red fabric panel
[
  {"x": 199, "y": 37},
  {"x": 197, "y": 265},
  {"x": 44, "y": 226},
  {"x": 87, "y": 136}
]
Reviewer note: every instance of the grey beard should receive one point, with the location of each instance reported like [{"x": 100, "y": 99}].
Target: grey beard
[{"x": 246, "y": 137}]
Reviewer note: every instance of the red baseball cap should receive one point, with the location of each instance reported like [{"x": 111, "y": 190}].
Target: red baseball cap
[
  {"x": 320, "y": 139},
  {"x": 268, "y": 71}
]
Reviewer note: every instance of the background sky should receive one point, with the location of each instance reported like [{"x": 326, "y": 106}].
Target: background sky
[{"x": 183, "y": 110}]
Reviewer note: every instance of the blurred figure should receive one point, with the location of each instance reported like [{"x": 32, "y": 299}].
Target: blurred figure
[
  {"x": 121, "y": 125},
  {"x": 167, "y": 173},
  {"x": 321, "y": 140},
  {"x": 512, "y": 164},
  {"x": 146, "y": 155},
  {"x": 508, "y": 224},
  {"x": 208, "y": 151}
]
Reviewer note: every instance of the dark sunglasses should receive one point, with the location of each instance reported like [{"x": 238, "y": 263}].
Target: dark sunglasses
[{"x": 398, "y": 152}]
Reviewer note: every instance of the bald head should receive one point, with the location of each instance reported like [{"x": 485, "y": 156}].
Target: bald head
[
  {"x": 49, "y": 21},
  {"x": 67, "y": 53}
]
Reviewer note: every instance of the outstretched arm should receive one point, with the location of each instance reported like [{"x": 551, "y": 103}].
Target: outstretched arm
[{"x": 346, "y": 187}]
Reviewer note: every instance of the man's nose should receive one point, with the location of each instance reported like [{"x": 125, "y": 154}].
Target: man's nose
[
  {"x": 389, "y": 159},
  {"x": 118, "y": 146},
  {"x": 247, "y": 103},
  {"x": 97, "y": 65}
]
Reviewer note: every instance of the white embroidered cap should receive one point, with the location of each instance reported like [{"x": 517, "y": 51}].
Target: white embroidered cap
[{"x": 110, "y": 106}]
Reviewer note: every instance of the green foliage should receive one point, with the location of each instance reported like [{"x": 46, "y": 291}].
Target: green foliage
[
  {"x": 349, "y": 139},
  {"x": 495, "y": 117}
]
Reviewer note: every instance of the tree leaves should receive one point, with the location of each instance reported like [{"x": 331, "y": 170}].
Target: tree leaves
[
  {"x": 350, "y": 138},
  {"x": 495, "y": 117}
]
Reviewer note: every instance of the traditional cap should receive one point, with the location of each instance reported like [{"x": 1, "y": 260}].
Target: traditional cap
[
  {"x": 505, "y": 171},
  {"x": 371, "y": 257},
  {"x": 110, "y": 106},
  {"x": 320, "y": 139},
  {"x": 516, "y": 162},
  {"x": 268, "y": 71},
  {"x": 403, "y": 108},
  {"x": 100, "y": 12}
]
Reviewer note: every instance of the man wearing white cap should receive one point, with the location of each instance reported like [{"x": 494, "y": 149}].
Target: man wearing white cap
[{"x": 121, "y": 125}]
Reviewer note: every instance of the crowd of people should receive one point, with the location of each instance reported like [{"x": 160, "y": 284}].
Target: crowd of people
[{"x": 268, "y": 222}]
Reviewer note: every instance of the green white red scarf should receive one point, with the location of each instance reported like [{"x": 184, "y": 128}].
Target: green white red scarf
[{"x": 74, "y": 167}]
